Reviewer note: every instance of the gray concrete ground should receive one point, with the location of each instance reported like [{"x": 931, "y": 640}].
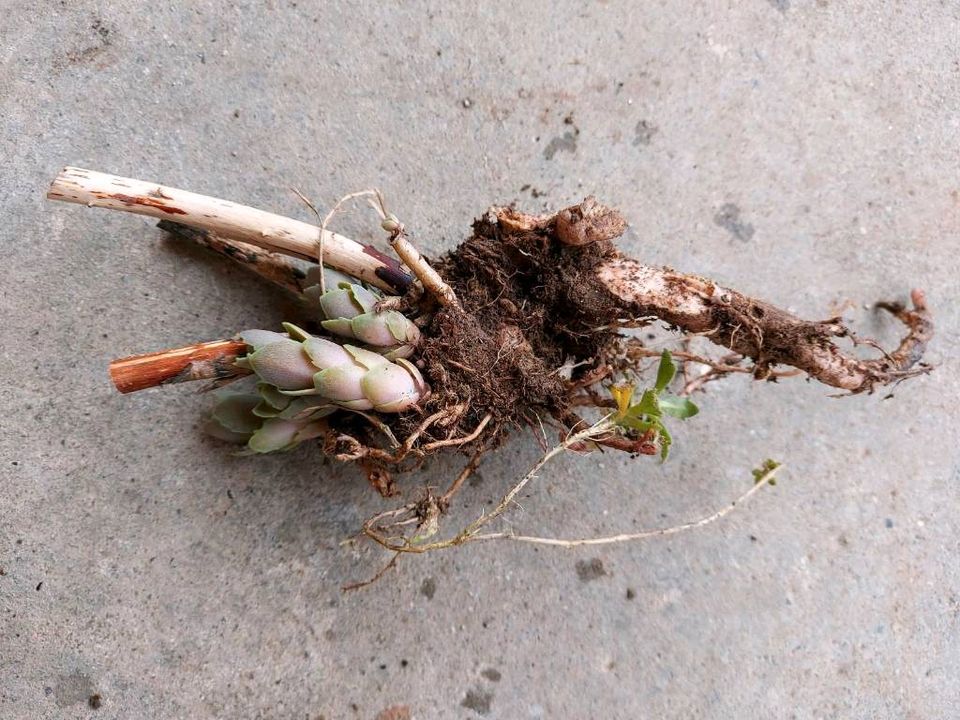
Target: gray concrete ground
[{"x": 801, "y": 151}]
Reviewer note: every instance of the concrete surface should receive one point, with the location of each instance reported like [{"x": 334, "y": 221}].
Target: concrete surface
[{"x": 801, "y": 151}]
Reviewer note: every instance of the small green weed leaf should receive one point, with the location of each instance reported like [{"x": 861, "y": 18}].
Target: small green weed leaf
[
  {"x": 678, "y": 407},
  {"x": 636, "y": 423},
  {"x": 649, "y": 405},
  {"x": 666, "y": 440},
  {"x": 665, "y": 371}
]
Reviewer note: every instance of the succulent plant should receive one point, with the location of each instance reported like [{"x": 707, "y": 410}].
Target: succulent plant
[
  {"x": 265, "y": 425},
  {"x": 349, "y": 310},
  {"x": 301, "y": 379},
  {"x": 301, "y": 365}
]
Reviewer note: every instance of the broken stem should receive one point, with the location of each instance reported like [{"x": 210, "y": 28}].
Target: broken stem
[
  {"x": 230, "y": 221},
  {"x": 202, "y": 361}
]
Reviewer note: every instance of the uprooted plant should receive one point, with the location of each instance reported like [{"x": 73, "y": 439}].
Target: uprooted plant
[{"x": 519, "y": 326}]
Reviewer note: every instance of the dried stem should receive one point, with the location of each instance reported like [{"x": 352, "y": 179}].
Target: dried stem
[
  {"x": 467, "y": 471},
  {"x": 370, "y": 581},
  {"x": 761, "y": 482},
  {"x": 432, "y": 282},
  {"x": 469, "y": 533},
  {"x": 268, "y": 265},
  {"x": 203, "y": 361},
  {"x": 761, "y": 331},
  {"x": 229, "y": 221},
  {"x": 716, "y": 369}
]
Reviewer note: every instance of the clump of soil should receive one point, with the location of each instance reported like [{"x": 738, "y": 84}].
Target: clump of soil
[{"x": 530, "y": 309}]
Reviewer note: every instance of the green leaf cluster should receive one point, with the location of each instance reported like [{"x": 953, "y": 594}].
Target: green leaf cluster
[
  {"x": 761, "y": 472},
  {"x": 654, "y": 404}
]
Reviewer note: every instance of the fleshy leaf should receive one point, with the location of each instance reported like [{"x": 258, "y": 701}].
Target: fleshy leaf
[
  {"x": 272, "y": 396},
  {"x": 340, "y": 383},
  {"x": 295, "y": 332},
  {"x": 283, "y": 364},
  {"x": 340, "y": 303},
  {"x": 414, "y": 371},
  {"x": 402, "y": 327},
  {"x": 389, "y": 387},
  {"x": 338, "y": 326},
  {"x": 372, "y": 329},
  {"x": 310, "y": 431},
  {"x": 402, "y": 351},
  {"x": 258, "y": 338},
  {"x": 364, "y": 298},
  {"x": 325, "y": 353},
  {"x": 366, "y": 358},
  {"x": 215, "y": 429},
  {"x": 304, "y": 407},
  {"x": 234, "y": 412},
  {"x": 276, "y": 434}
]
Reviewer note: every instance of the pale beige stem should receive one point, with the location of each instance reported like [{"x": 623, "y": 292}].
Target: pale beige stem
[
  {"x": 228, "y": 220},
  {"x": 432, "y": 282},
  {"x": 764, "y": 480}
]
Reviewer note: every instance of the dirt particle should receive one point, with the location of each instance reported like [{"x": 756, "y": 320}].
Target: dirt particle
[
  {"x": 728, "y": 217},
  {"x": 492, "y": 674},
  {"x": 643, "y": 132},
  {"x": 588, "y": 570},
  {"x": 888, "y": 523},
  {"x": 565, "y": 143},
  {"x": 95, "y": 701},
  {"x": 428, "y": 588},
  {"x": 395, "y": 712},
  {"x": 478, "y": 701},
  {"x": 39, "y": 585},
  {"x": 102, "y": 40},
  {"x": 467, "y": 103},
  {"x": 631, "y": 593}
]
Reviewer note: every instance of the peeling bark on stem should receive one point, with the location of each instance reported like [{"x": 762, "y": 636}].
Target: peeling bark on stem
[
  {"x": 761, "y": 331},
  {"x": 203, "y": 361},
  {"x": 269, "y": 265},
  {"x": 229, "y": 221}
]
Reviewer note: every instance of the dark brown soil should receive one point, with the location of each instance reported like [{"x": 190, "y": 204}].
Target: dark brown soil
[
  {"x": 527, "y": 310},
  {"x": 530, "y": 306}
]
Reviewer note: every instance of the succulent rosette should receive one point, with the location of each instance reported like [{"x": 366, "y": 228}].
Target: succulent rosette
[
  {"x": 349, "y": 311},
  {"x": 302, "y": 378}
]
